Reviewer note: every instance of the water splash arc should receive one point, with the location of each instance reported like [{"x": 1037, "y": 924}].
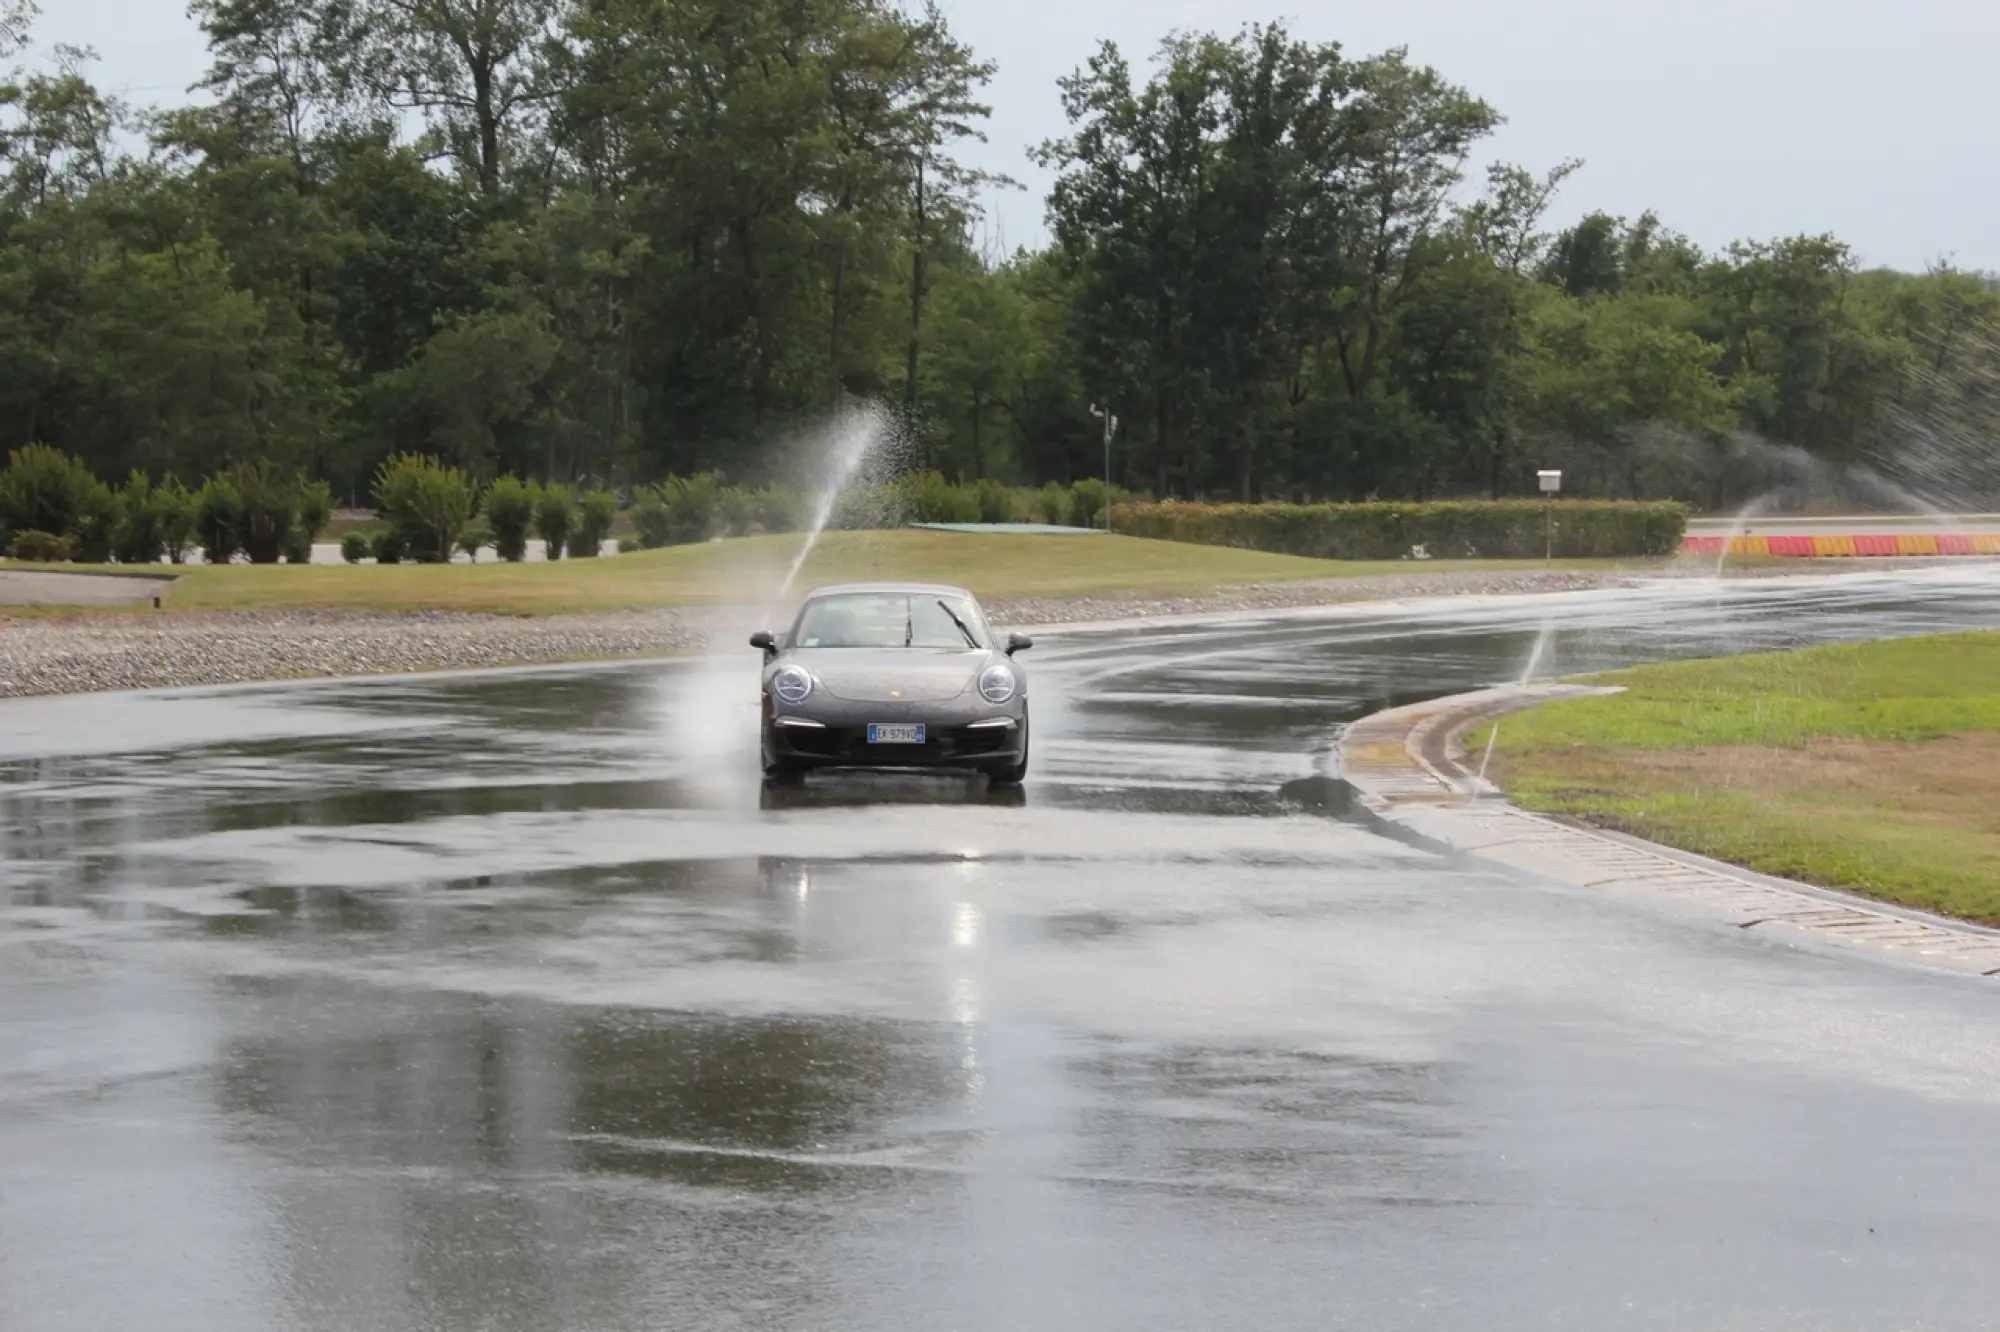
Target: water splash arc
[{"x": 852, "y": 438}]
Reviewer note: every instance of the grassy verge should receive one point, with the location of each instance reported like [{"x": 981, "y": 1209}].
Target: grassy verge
[
  {"x": 753, "y": 568},
  {"x": 1872, "y": 767}
]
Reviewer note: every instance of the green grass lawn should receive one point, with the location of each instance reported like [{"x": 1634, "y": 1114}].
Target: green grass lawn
[
  {"x": 1871, "y": 767},
  {"x": 752, "y": 568}
]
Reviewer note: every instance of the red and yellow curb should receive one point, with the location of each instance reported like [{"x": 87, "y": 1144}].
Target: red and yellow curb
[{"x": 1905, "y": 545}]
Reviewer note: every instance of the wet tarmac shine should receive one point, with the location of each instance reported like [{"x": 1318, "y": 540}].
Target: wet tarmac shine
[{"x": 513, "y": 1001}]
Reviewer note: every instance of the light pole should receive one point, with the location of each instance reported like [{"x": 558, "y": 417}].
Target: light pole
[
  {"x": 1552, "y": 484},
  {"x": 1110, "y": 428}
]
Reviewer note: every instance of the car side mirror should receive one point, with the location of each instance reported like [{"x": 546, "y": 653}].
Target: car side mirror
[
  {"x": 1018, "y": 643},
  {"x": 762, "y": 639}
]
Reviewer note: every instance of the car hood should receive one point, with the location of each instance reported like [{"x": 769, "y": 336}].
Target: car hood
[{"x": 882, "y": 675}]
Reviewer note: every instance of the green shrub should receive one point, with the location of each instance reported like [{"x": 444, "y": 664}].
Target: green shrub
[
  {"x": 555, "y": 514},
  {"x": 1051, "y": 504},
  {"x": 1458, "y": 529},
  {"x": 926, "y": 497},
  {"x": 510, "y": 513},
  {"x": 775, "y": 509},
  {"x": 136, "y": 537},
  {"x": 1086, "y": 502},
  {"x": 596, "y": 512},
  {"x": 427, "y": 504},
  {"x": 649, "y": 519},
  {"x": 96, "y": 525},
  {"x": 315, "y": 508},
  {"x": 270, "y": 510},
  {"x": 219, "y": 519},
  {"x": 995, "y": 501},
  {"x": 39, "y": 547},
  {"x": 735, "y": 512},
  {"x": 179, "y": 513},
  {"x": 43, "y": 490},
  {"x": 628, "y": 545},
  {"x": 298, "y": 545},
  {"x": 692, "y": 508},
  {"x": 388, "y": 547},
  {"x": 354, "y": 548},
  {"x": 476, "y": 536}
]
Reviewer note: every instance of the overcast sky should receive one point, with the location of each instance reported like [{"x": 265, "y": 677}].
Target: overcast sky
[{"x": 1732, "y": 118}]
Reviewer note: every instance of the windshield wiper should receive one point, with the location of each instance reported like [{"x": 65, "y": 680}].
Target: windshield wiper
[
  {"x": 970, "y": 641},
  {"x": 909, "y": 623}
]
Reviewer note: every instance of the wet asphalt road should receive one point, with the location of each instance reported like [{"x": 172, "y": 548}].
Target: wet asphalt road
[{"x": 512, "y": 1002}]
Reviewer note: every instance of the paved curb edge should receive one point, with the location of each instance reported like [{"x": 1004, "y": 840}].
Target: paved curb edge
[{"x": 1408, "y": 765}]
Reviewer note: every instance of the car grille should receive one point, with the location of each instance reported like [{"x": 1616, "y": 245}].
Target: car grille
[{"x": 851, "y": 742}]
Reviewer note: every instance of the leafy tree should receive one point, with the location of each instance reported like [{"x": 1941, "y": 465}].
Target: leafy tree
[
  {"x": 270, "y": 510},
  {"x": 596, "y": 511},
  {"x": 178, "y": 512},
  {"x": 219, "y": 519},
  {"x": 428, "y": 505},
  {"x": 555, "y": 517},
  {"x": 138, "y": 536},
  {"x": 42, "y": 490},
  {"x": 510, "y": 512}
]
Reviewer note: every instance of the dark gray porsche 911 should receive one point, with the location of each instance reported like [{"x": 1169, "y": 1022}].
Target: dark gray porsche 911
[{"x": 893, "y": 675}]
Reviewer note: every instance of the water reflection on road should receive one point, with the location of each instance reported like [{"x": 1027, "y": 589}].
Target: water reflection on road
[{"x": 515, "y": 1001}]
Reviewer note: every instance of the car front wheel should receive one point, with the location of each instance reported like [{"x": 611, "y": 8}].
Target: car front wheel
[
  {"x": 1014, "y": 773},
  {"x": 781, "y": 770}
]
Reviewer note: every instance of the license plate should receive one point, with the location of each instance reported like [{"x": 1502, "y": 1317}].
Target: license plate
[{"x": 880, "y": 733}]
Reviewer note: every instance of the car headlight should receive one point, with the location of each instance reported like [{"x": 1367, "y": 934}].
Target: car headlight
[
  {"x": 996, "y": 683},
  {"x": 792, "y": 684}
]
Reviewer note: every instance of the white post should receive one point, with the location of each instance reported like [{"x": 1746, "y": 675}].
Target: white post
[
  {"x": 1551, "y": 482},
  {"x": 1110, "y": 427}
]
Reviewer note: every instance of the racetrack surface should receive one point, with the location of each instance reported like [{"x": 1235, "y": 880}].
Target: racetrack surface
[{"x": 512, "y": 1000}]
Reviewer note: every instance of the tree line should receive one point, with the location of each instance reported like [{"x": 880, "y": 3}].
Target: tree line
[{"x": 600, "y": 242}]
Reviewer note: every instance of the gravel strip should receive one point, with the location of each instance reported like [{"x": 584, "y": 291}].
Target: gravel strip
[
  {"x": 148, "y": 651},
  {"x": 1028, "y": 611}
]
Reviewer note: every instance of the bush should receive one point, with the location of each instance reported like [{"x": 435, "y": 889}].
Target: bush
[
  {"x": 270, "y": 510},
  {"x": 179, "y": 514},
  {"x": 354, "y": 548},
  {"x": 1086, "y": 503},
  {"x": 96, "y": 525},
  {"x": 510, "y": 512},
  {"x": 39, "y": 547},
  {"x": 628, "y": 545},
  {"x": 315, "y": 508},
  {"x": 218, "y": 509},
  {"x": 774, "y": 509},
  {"x": 135, "y": 528},
  {"x": 43, "y": 490},
  {"x": 693, "y": 508},
  {"x": 651, "y": 526},
  {"x": 555, "y": 514},
  {"x": 735, "y": 512},
  {"x": 388, "y": 547},
  {"x": 595, "y": 515},
  {"x": 926, "y": 497},
  {"x": 298, "y": 545},
  {"x": 995, "y": 501},
  {"x": 427, "y": 504},
  {"x": 476, "y": 536},
  {"x": 1464, "y": 529},
  {"x": 1051, "y": 504}
]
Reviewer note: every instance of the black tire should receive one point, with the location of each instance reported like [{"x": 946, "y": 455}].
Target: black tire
[
  {"x": 781, "y": 770},
  {"x": 1012, "y": 774}
]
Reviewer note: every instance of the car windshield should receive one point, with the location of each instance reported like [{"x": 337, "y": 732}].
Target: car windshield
[{"x": 890, "y": 619}]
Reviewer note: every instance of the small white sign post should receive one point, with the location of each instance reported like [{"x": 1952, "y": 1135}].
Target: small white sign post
[
  {"x": 1110, "y": 429},
  {"x": 1552, "y": 484}
]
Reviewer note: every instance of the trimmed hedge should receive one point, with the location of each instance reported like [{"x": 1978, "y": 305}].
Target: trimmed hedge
[{"x": 1455, "y": 529}]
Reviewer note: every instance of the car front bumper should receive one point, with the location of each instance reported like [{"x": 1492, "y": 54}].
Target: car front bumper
[{"x": 829, "y": 733}]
